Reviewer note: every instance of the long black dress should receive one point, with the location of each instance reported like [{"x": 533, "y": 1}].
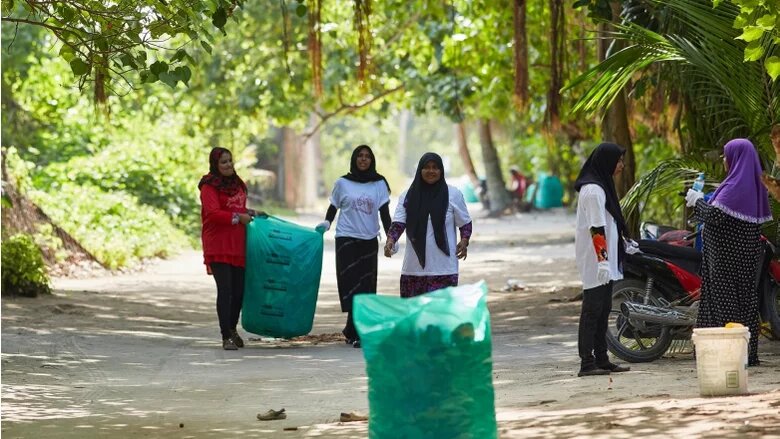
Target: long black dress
[{"x": 730, "y": 267}]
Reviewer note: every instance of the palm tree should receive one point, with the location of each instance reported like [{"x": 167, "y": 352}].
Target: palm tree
[{"x": 690, "y": 48}]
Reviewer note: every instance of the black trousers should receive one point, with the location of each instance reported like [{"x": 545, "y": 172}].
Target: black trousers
[
  {"x": 356, "y": 273},
  {"x": 592, "y": 340},
  {"x": 230, "y": 295}
]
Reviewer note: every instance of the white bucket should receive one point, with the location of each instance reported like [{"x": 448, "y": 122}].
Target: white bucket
[{"x": 721, "y": 360}]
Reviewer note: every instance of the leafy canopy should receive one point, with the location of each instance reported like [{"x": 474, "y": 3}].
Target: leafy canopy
[{"x": 103, "y": 41}]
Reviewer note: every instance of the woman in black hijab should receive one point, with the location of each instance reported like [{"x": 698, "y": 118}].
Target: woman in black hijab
[
  {"x": 429, "y": 211},
  {"x": 599, "y": 252},
  {"x": 360, "y": 194}
]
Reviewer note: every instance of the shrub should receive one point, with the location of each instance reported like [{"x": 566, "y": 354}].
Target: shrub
[
  {"x": 23, "y": 271},
  {"x": 117, "y": 229}
]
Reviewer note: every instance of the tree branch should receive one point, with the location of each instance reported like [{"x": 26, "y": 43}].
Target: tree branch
[{"x": 347, "y": 108}]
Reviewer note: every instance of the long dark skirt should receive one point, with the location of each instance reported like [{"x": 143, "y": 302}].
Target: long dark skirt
[
  {"x": 730, "y": 267},
  {"x": 356, "y": 268},
  {"x": 412, "y": 286}
]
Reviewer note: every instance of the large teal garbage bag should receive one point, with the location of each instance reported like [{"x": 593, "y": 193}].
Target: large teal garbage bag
[
  {"x": 282, "y": 279},
  {"x": 429, "y": 365},
  {"x": 549, "y": 193}
]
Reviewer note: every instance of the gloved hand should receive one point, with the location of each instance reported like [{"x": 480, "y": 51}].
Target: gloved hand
[
  {"x": 632, "y": 247},
  {"x": 692, "y": 197},
  {"x": 323, "y": 225},
  {"x": 603, "y": 274}
]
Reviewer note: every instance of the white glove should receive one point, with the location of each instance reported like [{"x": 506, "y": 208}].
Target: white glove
[
  {"x": 395, "y": 248},
  {"x": 632, "y": 247},
  {"x": 323, "y": 225},
  {"x": 692, "y": 197},
  {"x": 603, "y": 274}
]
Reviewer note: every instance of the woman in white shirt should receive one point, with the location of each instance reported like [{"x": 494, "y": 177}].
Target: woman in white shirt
[
  {"x": 429, "y": 211},
  {"x": 599, "y": 253},
  {"x": 360, "y": 195}
]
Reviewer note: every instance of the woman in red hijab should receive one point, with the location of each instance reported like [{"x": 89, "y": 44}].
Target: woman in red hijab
[{"x": 225, "y": 216}]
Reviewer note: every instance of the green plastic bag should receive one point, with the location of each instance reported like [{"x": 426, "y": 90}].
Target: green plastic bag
[
  {"x": 282, "y": 278},
  {"x": 429, "y": 364}
]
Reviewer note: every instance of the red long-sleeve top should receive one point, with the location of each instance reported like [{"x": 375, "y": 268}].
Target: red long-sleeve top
[{"x": 223, "y": 240}]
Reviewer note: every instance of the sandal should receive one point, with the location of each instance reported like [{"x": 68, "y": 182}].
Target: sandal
[
  {"x": 352, "y": 417},
  {"x": 272, "y": 415}
]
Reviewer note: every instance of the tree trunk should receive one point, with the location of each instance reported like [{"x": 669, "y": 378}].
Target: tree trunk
[
  {"x": 557, "y": 64},
  {"x": 521, "y": 53},
  {"x": 497, "y": 193},
  {"x": 307, "y": 163},
  {"x": 404, "y": 120},
  {"x": 290, "y": 152},
  {"x": 278, "y": 163},
  {"x": 465, "y": 156},
  {"x": 614, "y": 127}
]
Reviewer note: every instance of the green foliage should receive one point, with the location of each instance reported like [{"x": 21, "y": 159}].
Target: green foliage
[
  {"x": 114, "y": 227},
  {"x": 702, "y": 64},
  {"x": 146, "y": 160},
  {"x": 760, "y": 24},
  {"x": 103, "y": 42},
  {"x": 23, "y": 270}
]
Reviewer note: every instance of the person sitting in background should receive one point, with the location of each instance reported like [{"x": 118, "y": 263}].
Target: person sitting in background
[{"x": 518, "y": 185}]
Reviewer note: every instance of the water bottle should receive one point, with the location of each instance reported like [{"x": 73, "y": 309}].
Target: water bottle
[{"x": 698, "y": 184}]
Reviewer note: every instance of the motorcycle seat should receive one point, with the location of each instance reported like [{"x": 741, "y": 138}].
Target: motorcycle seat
[{"x": 686, "y": 257}]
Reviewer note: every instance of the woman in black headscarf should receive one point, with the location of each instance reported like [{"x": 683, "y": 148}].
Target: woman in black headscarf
[
  {"x": 599, "y": 252},
  {"x": 429, "y": 211},
  {"x": 360, "y": 194}
]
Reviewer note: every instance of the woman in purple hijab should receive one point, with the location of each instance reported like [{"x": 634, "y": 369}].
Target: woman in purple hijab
[{"x": 732, "y": 246}]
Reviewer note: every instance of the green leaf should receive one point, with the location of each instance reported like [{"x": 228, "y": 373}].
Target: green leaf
[
  {"x": 159, "y": 67},
  {"x": 184, "y": 74},
  {"x": 168, "y": 78},
  {"x": 67, "y": 53},
  {"x": 219, "y": 18},
  {"x": 751, "y": 33},
  {"x": 754, "y": 51},
  {"x": 147, "y": 77},
  {"x": 180, "y": 54},
  {"x": 67, "y": 13},
  {"x": 300, "y": 10},
  {"x": 772, "y": 65},
  {"x": 715, "y": 3},
  {"x": 128, "y": 61},
  {"x": 206, "y": 46},
  {"x": 101, "y": 43},
  {"x": 740, "y": 22},
  {"x": 767, "y": 22},
  {"x": 79, "y": 67},
  {"x": 8, "y": 7}
]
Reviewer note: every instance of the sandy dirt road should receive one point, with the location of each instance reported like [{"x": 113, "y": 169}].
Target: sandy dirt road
[{"x": 138, "y": 355}]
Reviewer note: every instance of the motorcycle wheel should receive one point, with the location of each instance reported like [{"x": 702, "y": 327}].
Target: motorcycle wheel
[
  {"x": 628, "y": 342},
  {"x": 770, "y": 307}
]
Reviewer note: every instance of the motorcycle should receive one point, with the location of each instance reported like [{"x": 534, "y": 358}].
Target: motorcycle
[{"x": 657, "y": 301}]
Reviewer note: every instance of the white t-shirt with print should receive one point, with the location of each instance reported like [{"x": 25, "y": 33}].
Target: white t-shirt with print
[
  {"x": 591, "y": 212},
  {"x": 436, "y": 262},
  {"x": 358, "y": 205}
]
